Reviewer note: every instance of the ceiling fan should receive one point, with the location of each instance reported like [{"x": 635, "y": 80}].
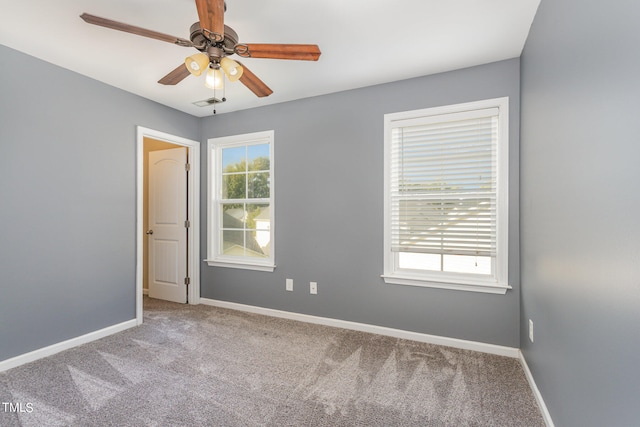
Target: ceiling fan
[{"x": 216, "y": 42}]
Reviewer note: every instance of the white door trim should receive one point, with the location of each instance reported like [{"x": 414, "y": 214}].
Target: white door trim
[{"x": 193, "y": 201}]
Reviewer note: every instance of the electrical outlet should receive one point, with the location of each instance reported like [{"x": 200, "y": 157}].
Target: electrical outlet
[
  {"x": 313, "y": 288},
  {"x": 531, "y": 330},
  {"x": 289, "y": 284}
]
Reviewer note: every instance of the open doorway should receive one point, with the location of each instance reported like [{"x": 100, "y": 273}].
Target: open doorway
[{"x": 151, "y": 141}]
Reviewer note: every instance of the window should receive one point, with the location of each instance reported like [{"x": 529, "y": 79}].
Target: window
[
  {"x": 446, "y": 197},
  {"x": 241, "y": 208}
]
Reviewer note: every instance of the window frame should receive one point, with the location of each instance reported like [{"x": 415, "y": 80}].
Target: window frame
[
  {"x": 214, "y": 151},
  {"x": 496, "y": 283}
]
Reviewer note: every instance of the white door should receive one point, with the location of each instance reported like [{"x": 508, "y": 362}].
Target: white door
[{"x": 167, "y": 233}]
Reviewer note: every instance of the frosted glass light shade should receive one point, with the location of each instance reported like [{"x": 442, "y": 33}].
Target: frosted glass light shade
[
  {"x": 231, "y": 68},
  {"x": 196, "y": 64},
  {"x": 214, "y": 79}
]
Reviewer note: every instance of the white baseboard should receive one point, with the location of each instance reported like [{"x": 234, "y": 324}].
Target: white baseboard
[
  {"x": 64, "y": 345},
  {"x": 536, "y": 393},
  {"x": 363, "y": 327}
]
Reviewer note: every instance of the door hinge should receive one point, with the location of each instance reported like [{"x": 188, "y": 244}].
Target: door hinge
[
  {"x": 187, "y": 281},
  {"x": 187, "y": 167},
  {"x": 187, "y": 224}
]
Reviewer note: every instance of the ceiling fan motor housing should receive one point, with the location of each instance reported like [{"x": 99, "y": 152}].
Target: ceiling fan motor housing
[
  {"x": 203, "y": 43},
  {"x": 215, "y": 54}
]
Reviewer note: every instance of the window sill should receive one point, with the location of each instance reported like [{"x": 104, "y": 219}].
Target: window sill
[
  {"x": 487, "y": 288},
  {"x": 241, "y": 265}
]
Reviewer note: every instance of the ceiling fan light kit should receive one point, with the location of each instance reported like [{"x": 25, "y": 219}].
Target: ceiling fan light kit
[
  {"x": 216, "y": 42},
  {"x": 196, "y": 64},
  {"x": 231, "y": 69},
  {"x": 214, "y": 79}
]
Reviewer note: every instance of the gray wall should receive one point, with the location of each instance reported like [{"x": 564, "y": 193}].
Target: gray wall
[
  {"x": 580, "y": 203},
  {"x": 67, "y": 201},
  {"x": 329, "y": 210}
]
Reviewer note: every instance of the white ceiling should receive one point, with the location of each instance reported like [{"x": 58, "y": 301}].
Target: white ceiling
[{"x": 363, "y": 42}]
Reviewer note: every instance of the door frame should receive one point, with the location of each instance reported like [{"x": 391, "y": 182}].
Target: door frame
[{"x": 193, "y": 203}]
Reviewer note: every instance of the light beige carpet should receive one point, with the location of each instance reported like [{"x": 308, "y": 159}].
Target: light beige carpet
[{"x": 205, "y": 366}]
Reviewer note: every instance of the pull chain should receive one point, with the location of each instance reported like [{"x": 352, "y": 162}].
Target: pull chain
[
  {"x": 224, "y": 95},
  {"x": 214, "y": 100}
]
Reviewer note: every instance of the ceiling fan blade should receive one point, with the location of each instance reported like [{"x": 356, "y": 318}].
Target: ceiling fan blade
[
  {"x": 176, "y": 76},
  {"x": 254, "y": 84},
  {"x": 115, "y": 25},
  {"x": 303, "y": 52},
  {"x": 211, "y": 14}
]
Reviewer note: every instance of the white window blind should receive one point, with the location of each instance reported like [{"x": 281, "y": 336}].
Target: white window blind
[{"x": 443, "y": 184}]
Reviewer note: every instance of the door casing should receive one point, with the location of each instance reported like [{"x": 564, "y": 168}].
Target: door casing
[{"x": 193, "y": 202}]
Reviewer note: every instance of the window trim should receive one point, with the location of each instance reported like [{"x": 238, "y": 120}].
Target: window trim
[
  {"x": 497, "y": 284},
  {"x": 214, "y": 195}
]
